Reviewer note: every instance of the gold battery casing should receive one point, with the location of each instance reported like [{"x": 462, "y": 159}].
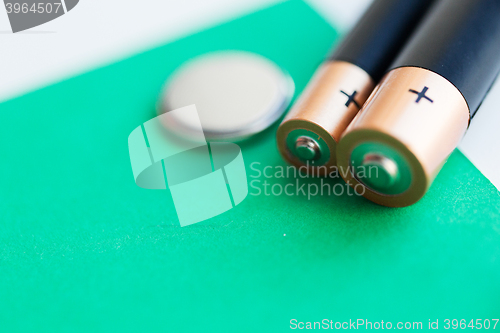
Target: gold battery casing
[
  {"x": 325, "y": 109},
  {"x": 418, "y": 114}
]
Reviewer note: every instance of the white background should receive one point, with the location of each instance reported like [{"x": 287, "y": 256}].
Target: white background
[{"x": 97, "y": 32}]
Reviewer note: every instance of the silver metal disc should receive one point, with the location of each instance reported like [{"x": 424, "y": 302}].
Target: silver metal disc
[{"x": 237, "y": 94}]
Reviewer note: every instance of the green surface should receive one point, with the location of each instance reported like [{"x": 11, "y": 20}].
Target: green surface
[{"x": 83, "y": 249}]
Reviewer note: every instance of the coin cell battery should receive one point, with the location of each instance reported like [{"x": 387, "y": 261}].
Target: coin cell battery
[{"x": 237, "y": 94}]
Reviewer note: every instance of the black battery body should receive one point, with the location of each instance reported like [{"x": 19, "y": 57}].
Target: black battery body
[{"x": 376, "y": 40}]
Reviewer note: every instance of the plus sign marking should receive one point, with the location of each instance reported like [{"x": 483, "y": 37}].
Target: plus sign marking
[
  {"x": 421, "y": 95},
  {"x": 350, "y": 98}
]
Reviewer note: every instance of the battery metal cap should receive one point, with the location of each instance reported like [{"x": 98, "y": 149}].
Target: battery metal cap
[
  {"x": 403, "y": 135},
  {"x": 307, "y": 149},
  {"x": 308, "y": 135}
]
